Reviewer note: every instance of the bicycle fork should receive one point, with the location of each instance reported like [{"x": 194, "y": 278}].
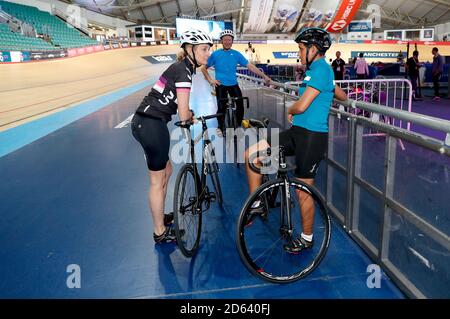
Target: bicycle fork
[{"x": 286, "y": 229}]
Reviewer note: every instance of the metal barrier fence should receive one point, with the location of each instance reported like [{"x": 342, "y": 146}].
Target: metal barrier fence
[
  {"x": 279, "y": 73},
  {"x": 392, "y": 201}
]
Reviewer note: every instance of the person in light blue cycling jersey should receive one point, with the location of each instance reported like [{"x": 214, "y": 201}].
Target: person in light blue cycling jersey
[
  {"x": 225, "y": 62},
  {"x": 307, "y": 139}
]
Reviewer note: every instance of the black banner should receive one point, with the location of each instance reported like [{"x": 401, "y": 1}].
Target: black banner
[
  {"x": 157, "y": 59},
  {"x": 46, "y": 55}
]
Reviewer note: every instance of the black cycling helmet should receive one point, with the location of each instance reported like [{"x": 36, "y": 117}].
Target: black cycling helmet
[{"x": 314, "y": 36}]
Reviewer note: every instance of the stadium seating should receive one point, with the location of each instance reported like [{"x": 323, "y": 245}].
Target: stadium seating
[{"x": 61, "y": 34}]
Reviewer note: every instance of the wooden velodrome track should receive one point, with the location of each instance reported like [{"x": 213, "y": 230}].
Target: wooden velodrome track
[{"x": 36, "y": 89}]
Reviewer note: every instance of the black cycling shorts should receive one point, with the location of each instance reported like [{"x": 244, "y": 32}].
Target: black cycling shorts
[
  {"x": 308, "y": 147},
  {"x": 153, "y": 135}
]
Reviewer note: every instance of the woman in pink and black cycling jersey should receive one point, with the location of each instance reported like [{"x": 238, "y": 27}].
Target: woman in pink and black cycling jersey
[{"x": 149, "y": 125}]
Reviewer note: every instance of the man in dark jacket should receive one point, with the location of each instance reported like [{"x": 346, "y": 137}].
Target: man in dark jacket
[
  {"x": 438, "y": 69},
  {"x": 413, "y": 66},
  {"x": 338, "y": 66}
]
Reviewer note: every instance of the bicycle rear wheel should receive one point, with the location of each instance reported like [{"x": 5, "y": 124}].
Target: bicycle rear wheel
[
  {"x": 261, "y": 236},
  {"x": 187, "y": 211}
]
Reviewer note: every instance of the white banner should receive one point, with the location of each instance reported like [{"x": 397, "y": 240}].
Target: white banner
[
  {"x": 16, "y": 56},
  {"x": 284, "y": 16},
  {"x": 319, "y": 14},
  {"x": 259, "y": 15}
]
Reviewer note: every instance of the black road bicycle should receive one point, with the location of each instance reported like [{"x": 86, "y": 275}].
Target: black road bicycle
[
  {"x": 232, "y": 122},
  {"x": 262, "y": 234},
  {"x": 192, "y": 195}
]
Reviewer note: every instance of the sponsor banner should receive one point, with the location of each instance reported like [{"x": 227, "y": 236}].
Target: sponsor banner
[
  {"x": 158, "y": 59},
  {"x": 89, "y": 49},
  {"x": 376, "y": 54},
  {"x": 258, "y": 17},
  {"x": 45, "y": 55},
  {"x": 5, "y": 56},
  {"x": 405, "y": 42},
  {"x": 72, "y": 52},
  {"x": 344, "y": 16},
  {"x": 124, "y": 45},
  {"x": 106, "y": 46},
  {"x": 98, "y": 48},
  {"x": 353, "y": 41},
  {"x": 26, "y": 56},
  {"x": 162, "y": 42},
  {"x": 133, "y": 44},
  {"x": 319, "y": 14},
  {"x": 285, "y": 15},
  {"x": 115, "y": 45},
  {"x": 143, "y": 44},
  {"x": 252, "y": 41},
  {"x": 81, "y": 51},
  {"x": 153, "y": 43},
  {"x": 14, "y": 56},
  {"x": 285, "y": 55},
  {"x": 360, "y": 26},
  {"x": 358, "y": 30}
]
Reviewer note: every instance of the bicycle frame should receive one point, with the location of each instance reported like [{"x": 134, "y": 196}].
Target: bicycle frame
[
  {"x": 231, "y": 106},
  {"x": 201, "y": 183},
  {"x": 285, "y": 204}
]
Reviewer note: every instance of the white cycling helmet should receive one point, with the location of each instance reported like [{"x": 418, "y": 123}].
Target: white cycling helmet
[
  {"x": 195, "y": 37},
  {"x": 227, "y": 32}
]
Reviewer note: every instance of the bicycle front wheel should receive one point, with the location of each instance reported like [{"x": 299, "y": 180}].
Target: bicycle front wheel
[
  {"x": 262, "y": 235},
  {"x": 187, "y": 211}
]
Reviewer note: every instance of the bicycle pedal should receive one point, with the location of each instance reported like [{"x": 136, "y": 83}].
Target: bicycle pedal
[
  {"x": 264, "y": 215},
  {"x": 212, "y": 171},
  {"x": 212, "y": 197}
]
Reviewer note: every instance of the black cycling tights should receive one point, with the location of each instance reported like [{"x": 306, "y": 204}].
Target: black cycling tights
[{"x": 221, "y": 93}]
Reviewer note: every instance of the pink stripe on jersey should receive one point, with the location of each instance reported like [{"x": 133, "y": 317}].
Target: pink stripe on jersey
[
  {"x": 183, "y": 90},
  {"x": 159, "y": 86}
]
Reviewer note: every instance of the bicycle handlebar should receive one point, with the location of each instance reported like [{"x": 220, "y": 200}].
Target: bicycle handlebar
[{"x": 187, "y": 124}]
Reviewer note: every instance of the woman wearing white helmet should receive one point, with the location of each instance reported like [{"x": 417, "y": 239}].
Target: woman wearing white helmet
[{"x": 149, "y": 125}]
